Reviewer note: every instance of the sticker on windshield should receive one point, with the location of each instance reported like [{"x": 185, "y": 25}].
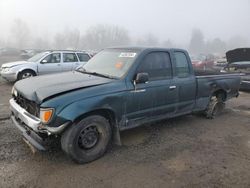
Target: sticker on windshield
[{"x": 127, "y": 54}]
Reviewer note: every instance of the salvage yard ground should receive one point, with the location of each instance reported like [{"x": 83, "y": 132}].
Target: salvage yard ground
[{"x": 189, "y": 151}]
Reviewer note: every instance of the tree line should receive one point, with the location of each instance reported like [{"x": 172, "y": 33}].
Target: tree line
[{"x": 101, "y": 36}]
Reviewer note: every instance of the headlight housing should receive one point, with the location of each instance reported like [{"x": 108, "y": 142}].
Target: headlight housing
[
  {"x": 5, "y": 69},
  {"x": 14, "y": 91},
  {"x": 46, "y": 115}
]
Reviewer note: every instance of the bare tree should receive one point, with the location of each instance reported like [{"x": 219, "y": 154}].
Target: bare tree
[
  {"x": 20, "y": 34},
  {"x": 148, "y": 40},
  {"x": 73, "y": 38},
  {"x": 41, "y": 43},
  {"x": 197, "y": 43},
  {"x": 216, "y": 46},
  {"x": 68, "y": 39},
  {"x": 168, "y": 44},
  {"x": 101, "y": 36},
  {"x": 237, "y": 42}
]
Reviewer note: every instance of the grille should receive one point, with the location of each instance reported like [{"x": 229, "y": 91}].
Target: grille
[{"x": 29, "y": 106}]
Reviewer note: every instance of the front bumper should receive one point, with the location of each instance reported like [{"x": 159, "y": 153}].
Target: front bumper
[
  {"x": 11, "y": 77},
  {"x": 30, "y": 136},
  {"x": 31, "y": 126}
]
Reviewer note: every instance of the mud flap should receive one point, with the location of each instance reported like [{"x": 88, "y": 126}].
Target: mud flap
[{"x": 116, "y": 136}]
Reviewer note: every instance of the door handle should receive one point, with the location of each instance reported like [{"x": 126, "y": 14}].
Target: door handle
[
  {"x": 58, "y": 65},
  {"x": 172, "y": 87}
]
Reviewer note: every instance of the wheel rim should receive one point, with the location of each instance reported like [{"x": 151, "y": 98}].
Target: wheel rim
[
  {"x": 88, "y": 138},
  {"x": 26, "y": 75}
]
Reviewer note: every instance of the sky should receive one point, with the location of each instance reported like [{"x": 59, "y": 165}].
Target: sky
[{"x": 166, "y": 19}]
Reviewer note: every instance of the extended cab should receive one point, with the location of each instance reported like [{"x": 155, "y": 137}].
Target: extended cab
[{"x": 118, "y": 89}]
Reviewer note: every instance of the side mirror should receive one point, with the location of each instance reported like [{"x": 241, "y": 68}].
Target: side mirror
[
  {"x": 141, "y": 78},
  {"x": 44, "y": 61}
]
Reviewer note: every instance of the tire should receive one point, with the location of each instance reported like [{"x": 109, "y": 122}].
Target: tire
[
  {"x": 87, "y": 140},
  {"x": 215, "y": 107},
  {"x": 25, "y": 74}
]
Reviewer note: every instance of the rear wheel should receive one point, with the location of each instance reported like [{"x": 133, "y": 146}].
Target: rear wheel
[
  {"x": 87, "y": 140},
  {"x": 215, "y": 107},
  {"x": 26, "y": 74}
]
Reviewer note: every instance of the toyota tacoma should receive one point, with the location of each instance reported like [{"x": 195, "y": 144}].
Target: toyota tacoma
[{"x": 118, "y": 89}]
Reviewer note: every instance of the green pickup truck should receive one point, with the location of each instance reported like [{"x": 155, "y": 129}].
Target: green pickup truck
[{"x": 118, "y": 89}]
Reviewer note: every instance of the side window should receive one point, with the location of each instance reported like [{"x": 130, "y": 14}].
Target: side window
[
  {"x": 157, "y": 65},
  {"x": 52, "y": 58},
  {"x": 182, "y": 68},
  {"x": 69, "y": 57},
  {"x": 83, "y": 57}
]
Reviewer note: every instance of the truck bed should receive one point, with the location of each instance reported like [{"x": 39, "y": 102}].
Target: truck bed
[
  {"x": 210, "y": 81},
  {"x": 208, "y": 72}
]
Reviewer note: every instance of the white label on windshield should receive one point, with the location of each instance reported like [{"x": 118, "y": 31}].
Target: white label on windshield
[{"x": 127, "y": 54}]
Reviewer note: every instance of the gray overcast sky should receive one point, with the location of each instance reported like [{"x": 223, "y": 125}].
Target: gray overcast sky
[{"x": 167, "y": 19}]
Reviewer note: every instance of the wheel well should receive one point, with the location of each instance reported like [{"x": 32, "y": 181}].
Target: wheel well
[
  {"x": 220, "y": 94},
  {"x": 106, "y": 113},
  {"x": 27, "y": 70}
]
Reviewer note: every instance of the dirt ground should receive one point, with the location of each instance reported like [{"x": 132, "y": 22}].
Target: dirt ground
[{"x": 188, "y": 151}]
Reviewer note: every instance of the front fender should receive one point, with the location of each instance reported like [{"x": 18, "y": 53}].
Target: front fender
[
  {"x": 114, "y": 103},
  {"x": 26, "y": 68}
]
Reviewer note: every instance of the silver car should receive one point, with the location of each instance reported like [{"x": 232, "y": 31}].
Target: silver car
[{"x": 44, "y": 63}]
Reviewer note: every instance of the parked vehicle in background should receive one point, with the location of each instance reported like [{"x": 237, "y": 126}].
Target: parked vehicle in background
[
  {"x": 221, "y": 62},
  {"x": 203, "y": 61},
  {"x": 118, "y": 89},
  {"x": 28, "y": 53},
  {"x": 239, "y": 62},
  {"x": 92, "y": 53},
  {"x": 9, "y": 52},
  {"x": 44, "y": 63}
]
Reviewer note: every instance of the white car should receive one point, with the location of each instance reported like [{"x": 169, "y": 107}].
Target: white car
[{"x": 44, "y": 63}]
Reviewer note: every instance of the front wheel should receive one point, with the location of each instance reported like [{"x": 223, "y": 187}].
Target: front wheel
[
  {"x": 26, "y": 74},
  {"x": 87, "y": 140}
]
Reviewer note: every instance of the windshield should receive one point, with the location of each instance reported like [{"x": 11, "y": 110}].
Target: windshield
[
  {"x": 37, "y": 57},
  {"x": 112, "y": 62}
]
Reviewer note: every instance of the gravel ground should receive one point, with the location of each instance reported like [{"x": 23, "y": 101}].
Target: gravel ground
[{"x": 188, "y": 151}]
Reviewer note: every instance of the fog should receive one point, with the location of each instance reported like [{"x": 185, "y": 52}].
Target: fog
[{"x": 197, "y": 25}]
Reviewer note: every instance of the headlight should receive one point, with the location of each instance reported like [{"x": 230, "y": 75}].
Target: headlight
[
  {"x": 5, "y": 69},
  {"x": 46, "y": 115},
  {"x": 14, "y": 91}
]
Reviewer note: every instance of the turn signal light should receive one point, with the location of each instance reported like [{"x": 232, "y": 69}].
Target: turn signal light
[{"x": 46, "y": 115}]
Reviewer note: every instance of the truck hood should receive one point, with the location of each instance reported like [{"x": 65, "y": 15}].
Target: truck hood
[
  {"x": 12, "y": 64},
  {"x": 42, "y": 87}
]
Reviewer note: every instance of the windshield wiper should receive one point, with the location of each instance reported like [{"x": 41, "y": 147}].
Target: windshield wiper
[{"x": 82, "y": 70}]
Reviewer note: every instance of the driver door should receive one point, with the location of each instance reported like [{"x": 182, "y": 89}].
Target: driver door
[{"x": 155, "y": 98}]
